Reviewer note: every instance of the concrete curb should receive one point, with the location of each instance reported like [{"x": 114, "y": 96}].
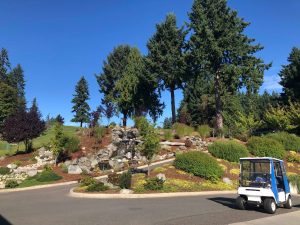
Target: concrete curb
[
  {"x": 75, "y": 182},
  {"x": 152, "y": 195}
]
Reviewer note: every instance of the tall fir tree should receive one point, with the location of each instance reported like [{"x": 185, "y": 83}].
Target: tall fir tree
[
  {"x": 80, "y": 106},
  {"x": 219, "y": 49},
  {"x": 4, "y": 65},
  {"x": 165, "y": 57},
  {"x": 17, "y": 81},
  {"x": 290, "y": 77}
]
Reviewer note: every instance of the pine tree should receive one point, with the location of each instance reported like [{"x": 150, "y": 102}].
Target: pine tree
[
  {"x": 16, "y": 80},
  {"x": 8, "y": 101},
  {"x": 4, "y": 65},
  {"x": 219, "y": 49},
  {"x": 290, "y": 77},
  {"x": 165, "y": 57},
  {"x": 80, "y": 105}
]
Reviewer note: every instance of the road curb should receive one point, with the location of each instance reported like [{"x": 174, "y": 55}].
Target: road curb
[
  {"x": 152, "y": 195},
  {"x": 75, "y": 182}
]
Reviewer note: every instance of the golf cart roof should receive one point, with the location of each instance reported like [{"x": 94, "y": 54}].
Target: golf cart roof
[{"x": 261, "y": 158}]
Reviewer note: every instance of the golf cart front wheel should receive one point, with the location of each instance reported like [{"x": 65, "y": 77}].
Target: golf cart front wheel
[
  {"x": 288, "y": 204},
  {"x": 240, "y": 203},
  {"x": 270, "y": 205}
]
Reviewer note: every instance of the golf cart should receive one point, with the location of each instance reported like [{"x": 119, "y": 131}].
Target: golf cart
[{"x": 263, "y": 182}]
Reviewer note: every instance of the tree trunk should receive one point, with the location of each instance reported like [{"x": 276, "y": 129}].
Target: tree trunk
[
  {"x": 124, "y": 119},
  {"x": 172, "y": 90},
  {"x": 219, "y": 117},
  {"x": 80, "y": 123}
]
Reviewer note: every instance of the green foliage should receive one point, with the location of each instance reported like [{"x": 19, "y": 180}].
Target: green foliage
[
  {"x": 99, "y": 132},
  {"x": 204, "y": 131},
  {"x": 182, "y": 129},
  {"x": 64, "y": 168},
  {"x": 245, "y": 125},
  {"x": 80, "y": 105},
  {"x": 295, "y": 180},
  {"x": 142, "y": 124},
  {"x": 97, "y": 187},
  {"x": 293, "y": 157},
  {"x": 290, "y": 76},
  {"x": 231, "y": 151},
  {"x": 125, "y": 180},
  {"x": 199, "y": 164},
  {"x": 114, "y": 178},
  {"x": 154, "y": 184},
  {"x": 87, "y": 181},
  {"x": 8, "y": 101},
  {"x": 168, "y": 135},
  {"x": 11, "y": 184},
  {"x": 59, "y": 140},
  {"x": 265, "y": 147},
  {"x": 165, "y": 56},
  {"x": 290, "y": 142},
  {"x": 277, "y": 118},
  {"x": 47, "y": 176},
  {"x": 17, "y": 162},
  {"x": 72, "y": 144},
  {"x": 4, "y": 170},
  {"x": 215, "y": 28},
  {"x": 167, "y": 124}
]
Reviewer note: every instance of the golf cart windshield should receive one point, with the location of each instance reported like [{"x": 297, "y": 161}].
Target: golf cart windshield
[{"x": 255, "y": 173}]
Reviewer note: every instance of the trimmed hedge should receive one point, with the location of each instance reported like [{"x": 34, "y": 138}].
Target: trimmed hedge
[
  {"x": 291, "y": 142},
  {"x": 199, "y": 164},
  {"x": 97, "y": 187},
  {"x": 265, "y": 147},
  {"x": 231, "y": 151},
  {"x": 47, "y": 176}
]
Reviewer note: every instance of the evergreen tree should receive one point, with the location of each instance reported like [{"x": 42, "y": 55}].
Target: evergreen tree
[
  {"x": 4, "y": 65},
  {"x": 80, "y": 105},
  {"x": 218, "y": 49},
  {"x": 165, "y": 57},
  {"x": 290, "y": 76},
  {"x": 16, "y": 80},
  {"x": 8, "y": 101}
]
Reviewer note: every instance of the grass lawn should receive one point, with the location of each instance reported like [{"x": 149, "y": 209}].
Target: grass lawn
[{"x": 10, "y": 149}]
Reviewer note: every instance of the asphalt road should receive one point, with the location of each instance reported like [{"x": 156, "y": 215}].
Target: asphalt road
[{"x": 53, "y": 206}]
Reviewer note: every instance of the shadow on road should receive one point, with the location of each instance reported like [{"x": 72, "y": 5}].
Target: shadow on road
[
  {"x": 230, "y": 203},
  {"x": 3, "y": 221}
]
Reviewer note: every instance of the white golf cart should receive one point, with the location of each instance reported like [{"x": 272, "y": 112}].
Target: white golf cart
[{"x": 263, "y": 182}]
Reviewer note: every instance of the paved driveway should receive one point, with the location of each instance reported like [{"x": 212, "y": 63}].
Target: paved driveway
[{"x": 53, "y": 206}]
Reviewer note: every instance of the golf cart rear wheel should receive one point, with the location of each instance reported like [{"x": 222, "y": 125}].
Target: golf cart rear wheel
[
  {"x": 270, "y": 205},
  {"x": 288, "y": 204},
  {"x": 240, "y": 203}
]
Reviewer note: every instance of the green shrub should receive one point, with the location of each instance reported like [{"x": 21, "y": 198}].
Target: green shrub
[
  {"x": 97, "y": 187},
  {"x": 290, "y": 142},
  {"x": 182, "y": 129},
  {"x": 125, "y": 180},
  {"x": 99, "y": 132},
  {"x": 295, "y": 180},
  {"x": 47, "y": 176},
  {"x": 114, "y": 178},
  {"x": 87, "y": 181},
  {"x": 154, "y": 184},
  {"x": 142, "y": 124},
  {"x": 11, "y": 184},
  {"x": 265, "y": 147},
  {"x": 204, "y": 131},
  {"x": 293, "y": 157},
  {"x": 231, "y": 151},
  {"x": 168, "y": 134},
  {"x": 47, "y": 168},
  {"x": 199, "y": 164},
  {"x": 64, "y": 168},
  {"x": 4, "y": 170},
  {"x": 17, "y": 162},
  {"x": 72, "y": 144}
]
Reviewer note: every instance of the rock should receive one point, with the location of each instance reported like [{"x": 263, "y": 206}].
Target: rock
[
  {"x": 68, "y": 162},
  {"x": 183, "y": 148},
  {"x": 2, "y": 185},
  {"x": 32, "y": 172},
  {"x": 161, "y": 176},
  {"x": 128, "y": 155},
  {"x": 94, "y": 163},
  {"x": 126, "y": 191},
  {"x": 12, "y": 166},
  {"x": 226, "y": 180},
  {"x": 172, "y": 143},
  {"x": 188, "y": 143},
  {"x": 74, "y": 169}
]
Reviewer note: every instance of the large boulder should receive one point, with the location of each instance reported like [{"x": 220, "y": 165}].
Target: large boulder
[
  {"x": 74, "y": 169},
  {"x": 12, "y": 166},
  {"x": 32, "y": 172}
]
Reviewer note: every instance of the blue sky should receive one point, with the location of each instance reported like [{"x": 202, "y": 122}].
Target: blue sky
[{"x": 58, "y": 41}]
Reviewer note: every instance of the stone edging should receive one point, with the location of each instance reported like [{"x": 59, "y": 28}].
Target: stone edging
[
  {"x": 152, "y": 195},
  {"x": 74, "y": 182}
]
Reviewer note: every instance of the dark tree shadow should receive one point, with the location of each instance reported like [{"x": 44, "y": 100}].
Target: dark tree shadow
[
  {"x": 230, "y": 203},
  {"x": 4, "y": 221}
]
